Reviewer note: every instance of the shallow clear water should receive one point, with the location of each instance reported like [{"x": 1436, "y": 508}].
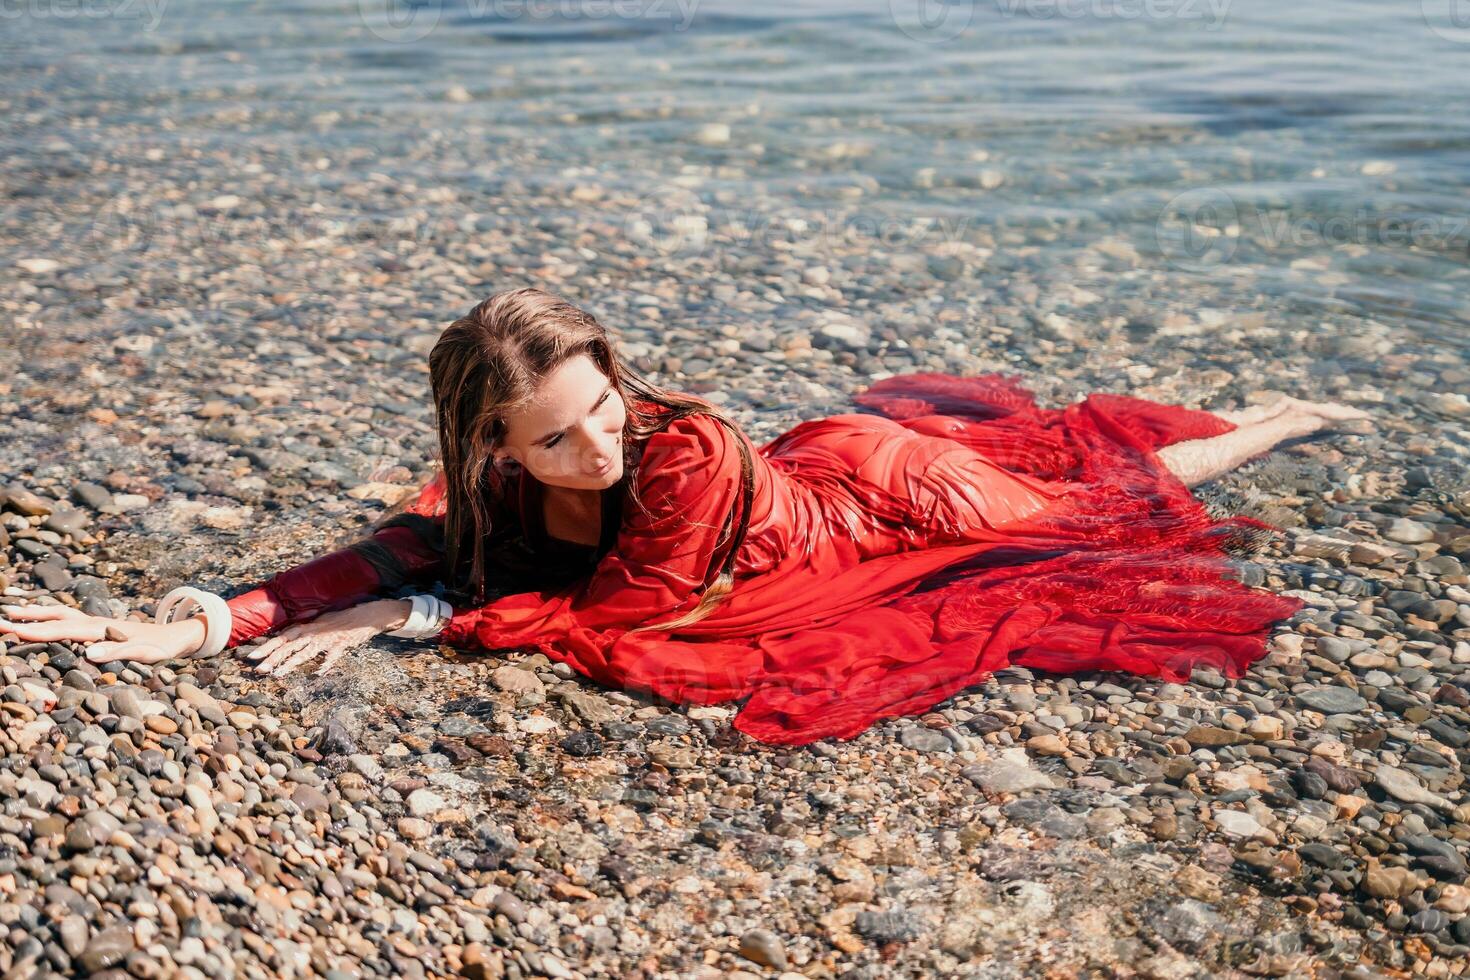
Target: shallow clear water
[{"x": 1310, "y": 158}]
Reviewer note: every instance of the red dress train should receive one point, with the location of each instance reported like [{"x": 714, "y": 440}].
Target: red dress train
[{"x": 891, "y": 561}]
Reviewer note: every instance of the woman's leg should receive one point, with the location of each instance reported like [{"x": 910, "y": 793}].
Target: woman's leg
[{"x": 1196, "y": 461}]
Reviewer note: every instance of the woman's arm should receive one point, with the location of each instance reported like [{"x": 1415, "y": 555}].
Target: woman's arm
[
  {"x": 689, "y": 479},
  {"x": 1199, "y": 460},
  {"x": 406, "y": 548},
  {"x": 392, "y": 557}
]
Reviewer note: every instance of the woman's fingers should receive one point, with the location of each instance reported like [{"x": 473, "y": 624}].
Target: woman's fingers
[
  {"x": 135, "y": 651},
  {"x": 333, "y": 655},
  {"x": 276, "y": 656},
  {"x": 49, "y": 631},
  {"x": 41, "y": 614},
  {"x": 263, "y": 648},
  {"x": 273, "y": 644},
  {"x": 300, "y": 657},
  {"x": 298, "y": 644},
  {"x": 284, "y": 652}
]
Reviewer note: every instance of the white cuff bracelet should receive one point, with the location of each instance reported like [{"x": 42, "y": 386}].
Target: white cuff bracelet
[
  {"x": 427, "y": 616},
  {"x": 184, "y": 602}
]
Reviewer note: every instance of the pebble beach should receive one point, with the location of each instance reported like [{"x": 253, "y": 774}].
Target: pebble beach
[{"x": 229, "y": 238}]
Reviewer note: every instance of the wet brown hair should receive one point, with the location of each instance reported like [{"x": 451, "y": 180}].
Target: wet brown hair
[{"x": 491, "y": 361}]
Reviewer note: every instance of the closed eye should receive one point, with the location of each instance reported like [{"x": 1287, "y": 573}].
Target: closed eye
[{"x": 557, "y": 438}]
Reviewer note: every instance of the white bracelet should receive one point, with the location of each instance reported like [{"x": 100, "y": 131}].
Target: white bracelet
[
  {"x": 428, "y": 615},
  {"x": 444, "y": 611},
  {"x": 415, "y": 621},
  {"x": 184, "y": 602}
]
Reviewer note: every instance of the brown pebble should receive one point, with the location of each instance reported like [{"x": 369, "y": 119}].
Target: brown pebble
[
  {"x": 456, "y": 749},
  {"x": 477, "y": 962},
  {"x": 492, "y": 745}
]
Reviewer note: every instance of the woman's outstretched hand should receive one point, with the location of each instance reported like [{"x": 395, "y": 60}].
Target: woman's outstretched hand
[
  {"x": 333, "y": 634},
  {"x": 109, "y": 639}
]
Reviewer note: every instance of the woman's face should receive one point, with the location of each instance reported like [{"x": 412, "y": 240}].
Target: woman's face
[{"x": 571, "y": 434}]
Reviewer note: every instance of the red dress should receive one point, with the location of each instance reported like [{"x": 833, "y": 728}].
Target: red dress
[{"x": 891, "y": 561}]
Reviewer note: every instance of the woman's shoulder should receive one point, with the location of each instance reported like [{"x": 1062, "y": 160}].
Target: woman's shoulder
[
  {"x": 695, "y": 429},
  {"x": 695, "y": 447}
]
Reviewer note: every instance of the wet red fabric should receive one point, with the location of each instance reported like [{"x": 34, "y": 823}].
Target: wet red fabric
[{"x": 895, "y": 559}]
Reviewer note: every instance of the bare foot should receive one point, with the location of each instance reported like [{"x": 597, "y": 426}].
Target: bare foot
[
  {"x": 1334, "y": 416},
  {"x": 1308, "y": 418},
  {"x": 1256, "y": 413},
  {"x": 1328, "y": 412}
]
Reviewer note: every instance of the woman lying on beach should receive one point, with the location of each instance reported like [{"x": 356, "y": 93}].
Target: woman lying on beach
[{"x": 856, "y": 567}]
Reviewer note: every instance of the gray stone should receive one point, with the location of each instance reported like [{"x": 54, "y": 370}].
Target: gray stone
[
  {"x": 1403, "y": 786},
  {"x": 1006, "y": 776},
  {"x": 125, "y": 703},
  {"x": 202, "y": 703},
  {"x": 922, "y": 739},
  {"x": 514, "y": 680},
  {"x": 1405, "y": 531},
  {"x": 106, "y": 949},
  {"x": 1331, "y": 700},
  {"x": 887, "y": 927}
]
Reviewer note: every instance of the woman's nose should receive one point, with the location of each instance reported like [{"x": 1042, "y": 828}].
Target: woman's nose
[{"x": 597, "y": 448}]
